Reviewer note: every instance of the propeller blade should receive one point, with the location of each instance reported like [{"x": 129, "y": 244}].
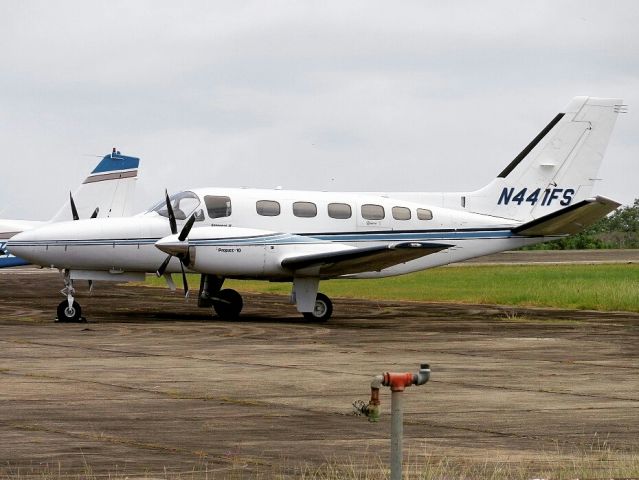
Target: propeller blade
[
  {"x": 184, "y": 282},
  {"x": 169, "y": 210},
  {"x": 162, "y": 268},
  {"x": 186, "y": 229},
  {"x": 95, "y": 212},
  {"x": 74, "y": 211}
]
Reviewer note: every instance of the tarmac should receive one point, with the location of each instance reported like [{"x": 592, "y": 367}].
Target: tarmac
[{"x": 154, "y": 385}]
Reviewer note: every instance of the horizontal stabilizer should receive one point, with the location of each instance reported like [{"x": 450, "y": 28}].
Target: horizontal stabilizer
[
  {"x": 572, "y": 219},
  {"x": 8, "y": 261},
  {"x": 357, "y": 260}
]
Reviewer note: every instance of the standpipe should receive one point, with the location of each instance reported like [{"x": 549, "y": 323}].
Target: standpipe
[{"x": 397, "y": 383}]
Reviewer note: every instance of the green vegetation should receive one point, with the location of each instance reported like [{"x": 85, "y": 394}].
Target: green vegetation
[
  {"x": 618, "y": 230},
  {"x": 593, "y": 287}
]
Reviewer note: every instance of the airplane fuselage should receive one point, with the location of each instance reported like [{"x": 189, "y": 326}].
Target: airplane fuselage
[{"x": 227, "y": 246}]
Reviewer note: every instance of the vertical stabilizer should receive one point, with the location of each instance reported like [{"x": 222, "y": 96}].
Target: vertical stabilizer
[
  {"x": 109, "y": 187},
  {"x": 557, "y": 169}
]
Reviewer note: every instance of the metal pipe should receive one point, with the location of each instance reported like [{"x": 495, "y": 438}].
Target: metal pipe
[
  {"x": 421, "y": 377},
  {"x": 372, "y": 410},
  {"x": 397, "y": 434},
  {"x": 397, "y": 383}
]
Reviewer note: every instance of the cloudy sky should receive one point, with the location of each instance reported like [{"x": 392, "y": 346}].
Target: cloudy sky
[{"x": 331, "y": 95}]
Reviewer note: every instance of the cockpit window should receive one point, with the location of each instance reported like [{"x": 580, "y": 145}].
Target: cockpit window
[
  {"x": 184, "y": 205},
  {"x": 218, "y": 206}
]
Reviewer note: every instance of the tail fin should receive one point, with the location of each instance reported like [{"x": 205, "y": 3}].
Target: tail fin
[
  {"x": 109, "y": 187},
  {"x": 558, "y": 168}
]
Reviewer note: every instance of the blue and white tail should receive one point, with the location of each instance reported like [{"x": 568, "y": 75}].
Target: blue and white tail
[
  {"x": 110, "y": 188},
  {"x": 557, "y": 169}
]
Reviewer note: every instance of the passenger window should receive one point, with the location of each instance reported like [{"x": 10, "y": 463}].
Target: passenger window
[
  {"x": 267, "y": 208},
  {"x": 304, "y": 209},
  {"x": 424, "y": 214},
  {"x": 372, "y": 212},
  {"x": 218, "y": 206},
  {"x": 401, "y": 213},
  {"x": 339, "y": 210}
]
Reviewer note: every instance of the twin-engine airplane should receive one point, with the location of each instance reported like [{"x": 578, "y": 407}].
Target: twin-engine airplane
[
  {"x": 304, "y": 237},
  {"x": 106, "y": 192}
]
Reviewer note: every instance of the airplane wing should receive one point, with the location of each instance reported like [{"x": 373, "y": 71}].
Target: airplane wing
[
  {"x": 572, "y": 219},
  {"x": 357, "y": 260}
]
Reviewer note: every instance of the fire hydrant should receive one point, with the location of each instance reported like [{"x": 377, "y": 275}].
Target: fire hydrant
[{"x": 397, "y": 383}]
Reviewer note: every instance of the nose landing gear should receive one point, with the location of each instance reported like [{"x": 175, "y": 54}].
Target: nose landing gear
[
  {"x": 68, "y": 313},
  {"x": 69, "y": 310}
]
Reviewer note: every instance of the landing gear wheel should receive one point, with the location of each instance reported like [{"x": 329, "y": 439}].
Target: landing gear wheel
[
  {"x": 322, "y": 311},
  {"x": 69, "y": 314},
  {"x": 228, "y": 304}
]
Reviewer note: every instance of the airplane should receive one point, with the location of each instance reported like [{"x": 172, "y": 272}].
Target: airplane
[
  {"x": 305, "y": 237},
  {"x": 109, "y": 189}
]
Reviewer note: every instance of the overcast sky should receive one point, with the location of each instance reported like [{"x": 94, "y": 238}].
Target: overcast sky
[{"x": 330, "y": 95}]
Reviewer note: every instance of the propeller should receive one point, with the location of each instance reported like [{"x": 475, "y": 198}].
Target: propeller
[
  {"x": 179, "y": 251},
  {"x": 169, "y": 210},
  {"x": 74, "y": 210}
]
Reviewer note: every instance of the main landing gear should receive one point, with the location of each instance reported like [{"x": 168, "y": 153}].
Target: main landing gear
[
  {"x": 322, "y": 311},
  {"x": 227, "y": 303},
  {"x": 69, "y": 310}
]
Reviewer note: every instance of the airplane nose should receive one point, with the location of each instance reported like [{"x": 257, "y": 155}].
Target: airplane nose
[
  {"x": 173, "y": 246},
  {"x": 24, "y": 245},
  {"x": 18, "y": 244}
]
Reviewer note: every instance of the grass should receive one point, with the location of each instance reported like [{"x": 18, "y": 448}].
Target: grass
[
  {"x": 607, "y": 287},
  {"x": 598, "y": 463}
]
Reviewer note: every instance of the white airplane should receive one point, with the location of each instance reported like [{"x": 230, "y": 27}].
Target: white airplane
[
  {"x": 106, "y": 192},
  {"x": 304, "y": 237}
]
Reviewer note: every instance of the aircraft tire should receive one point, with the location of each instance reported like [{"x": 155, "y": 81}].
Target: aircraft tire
[
  {"x": 323, "y": 309},
  {"x": 66, "y": 314},
  {"x": 228, "y": 305}
]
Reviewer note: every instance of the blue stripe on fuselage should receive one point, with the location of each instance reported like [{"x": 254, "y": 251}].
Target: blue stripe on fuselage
[
  {"x": 393, "y": 236},
  {"x": 287, "y": 239}
]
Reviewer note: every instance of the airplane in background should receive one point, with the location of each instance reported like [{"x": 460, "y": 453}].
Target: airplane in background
[
  {"x": 108, "y": 189},
  {"x": 305, "y": 237}
]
